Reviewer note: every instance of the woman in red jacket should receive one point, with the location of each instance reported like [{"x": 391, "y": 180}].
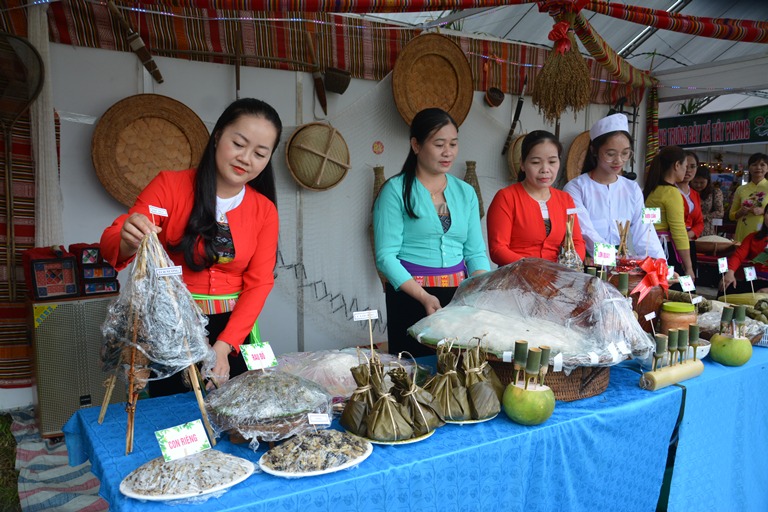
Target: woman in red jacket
[
  {"x": 752, "y": 246},
  {"x": 221, "y": 229},
  {"x": 528, "y": 218}
]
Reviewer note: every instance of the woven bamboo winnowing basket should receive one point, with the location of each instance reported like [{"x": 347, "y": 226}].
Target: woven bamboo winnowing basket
[
  {"x": 317, "y": 156},
  {"x": 432, "y": 71},
  {"x": 140, "y": 136},
  {"x": 576, "y": 155}
]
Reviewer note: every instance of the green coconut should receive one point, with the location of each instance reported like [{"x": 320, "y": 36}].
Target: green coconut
[
  {"x": 531, "y": 406},
  {"x": 730, "y": 351}
]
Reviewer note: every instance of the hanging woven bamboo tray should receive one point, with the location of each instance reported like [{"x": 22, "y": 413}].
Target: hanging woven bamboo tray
[
  {"x": 140, "y": 136},
  {"x": 432, "y": 71},
  {"x": 576, "y": 155},
  {"x": 514, "y": 157},
  {"x": 317, "y": 156}
]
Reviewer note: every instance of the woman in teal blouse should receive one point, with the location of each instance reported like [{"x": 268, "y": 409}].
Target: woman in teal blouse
[{"x": 427, "y": 229}]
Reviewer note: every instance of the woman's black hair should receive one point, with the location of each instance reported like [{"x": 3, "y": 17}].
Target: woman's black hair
[
  {"x": 423, "y": 125},
  {"x": 532, "y": 140},
  {"x": 693, "y": 155},
  {"x": 664, "y": 160},
  {"x": 202, "y": 225},
  {"x": 702, "y": 171},
  {"x": 590, "y": 159}
]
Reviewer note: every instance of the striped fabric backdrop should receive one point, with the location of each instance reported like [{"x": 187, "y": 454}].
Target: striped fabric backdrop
[
  {"x": 200, "y": 31},
  {"x": 46, "y": 480}
]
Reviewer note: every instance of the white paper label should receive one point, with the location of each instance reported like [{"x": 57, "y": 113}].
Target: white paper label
[
  {"x": 650, "y": 316},
  {"x": 372, "y": 314},
  {"x": 168, "y": 271},
  {"x": 604, "y": 254},
  {"x": 593, "y": 358},
  {"x": 670, "y": 272},
  {"x": 697, "y": 299},
  {"x": 557, "y": 363},
  {"x": 258, "y": 355},
  {"x": 750, "y": 273},
  {"x": 686, "y": 282},
  {"x": 156, "y": 210},
  {"x": 316, "y": 418},
  {"x": 571, "y": 211},
  {"x": 722, "y": 265},
  {"x": 651, "y": 215},
  {"x": 507, "y": 356},
  {"x": 614, "y": 352},
  {"x": 623, "y": 348},
  {"x": 182, "y": 440},
  {"x": 717, "y": 222}
]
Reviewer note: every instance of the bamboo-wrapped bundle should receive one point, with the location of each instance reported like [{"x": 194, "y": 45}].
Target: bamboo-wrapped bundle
[
  {"x": 447, "y": 386},
  {"x": 423, "y": 409},
  {"x": 483, "y": 399},
  {"x": 568, "y": 255}
]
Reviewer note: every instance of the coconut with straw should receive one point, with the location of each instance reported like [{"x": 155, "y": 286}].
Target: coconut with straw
[{"x": 564, "y": 80}]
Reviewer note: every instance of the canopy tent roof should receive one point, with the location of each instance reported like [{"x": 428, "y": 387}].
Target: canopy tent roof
[{"x": 666, "y": 52}]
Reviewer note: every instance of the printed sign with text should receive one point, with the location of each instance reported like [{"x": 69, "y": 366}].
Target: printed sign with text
[
  {"x": 258, "y": 355},
  {"x": 722, "y": 265},
  {"x": 604, "y": 254},
  {"x": 651, "y": 215},
  {"x": 182, "y": 440},
  {"x": 750, "y": 273}
]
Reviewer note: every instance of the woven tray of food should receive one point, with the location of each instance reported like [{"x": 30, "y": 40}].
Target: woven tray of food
[{"x": 315, "y": 453}]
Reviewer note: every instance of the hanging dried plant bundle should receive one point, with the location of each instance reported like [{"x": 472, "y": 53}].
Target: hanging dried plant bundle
[
  {"x": 623, "y": 252},
  {"x": 568, "y": 255},
  {"x": 562, "y": 83}
]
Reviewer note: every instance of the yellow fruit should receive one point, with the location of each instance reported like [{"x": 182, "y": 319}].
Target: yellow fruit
[
  {"x": 531, "y": 406},
  {"x": 730, "y": 351}
]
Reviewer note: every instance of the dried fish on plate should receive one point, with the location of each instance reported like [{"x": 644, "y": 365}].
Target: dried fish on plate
[
  {"x": 315, "y": 453},
  {"x": 195, "y": 475}
]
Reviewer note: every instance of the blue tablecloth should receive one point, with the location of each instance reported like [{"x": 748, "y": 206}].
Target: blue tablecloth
[
  {"x": 722, "y": 456},
  {"x": 602, "y": 453}
]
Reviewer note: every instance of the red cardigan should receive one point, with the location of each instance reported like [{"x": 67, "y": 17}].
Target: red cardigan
[
  {"x": 254, "y": 226},
  {"x": 516, "y": 227},
  {"x": 694, "y": 221},
  {"x": 746, "y": 252}
]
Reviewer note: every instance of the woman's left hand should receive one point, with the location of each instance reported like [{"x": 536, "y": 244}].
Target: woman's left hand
[{"x": 220, "y": 371}]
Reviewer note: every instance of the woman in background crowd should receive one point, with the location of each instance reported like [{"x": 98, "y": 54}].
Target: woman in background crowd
[
  {"x": 749, "y": 201},
  {"x": 603, "y": 196},
  {"x": 711, "y": 199},
  {"x": 752, "y": 245},
  {"x": 427, "y": 230},
  {"x": 528, "y": 218},
  {"x": 668, "y": 168}
]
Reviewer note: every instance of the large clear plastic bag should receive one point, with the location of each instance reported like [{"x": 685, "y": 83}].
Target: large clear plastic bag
[
  {"x": 580, "y": 316},
  {"x": 266, "y": 405},
  {"x": 156, "y": 314}
]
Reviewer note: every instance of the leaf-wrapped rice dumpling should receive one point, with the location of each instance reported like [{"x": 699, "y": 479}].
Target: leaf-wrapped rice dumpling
[
  {"x": 360, "y": 404},
  {"x": 483, "y": 401},
  {"x": 388, "y": 420},
  {"x": 447, "y": 387},
  {"x": 422, "y": 407}
]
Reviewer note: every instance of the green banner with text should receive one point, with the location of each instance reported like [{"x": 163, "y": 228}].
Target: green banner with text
[{"x": 715, "y": 129}]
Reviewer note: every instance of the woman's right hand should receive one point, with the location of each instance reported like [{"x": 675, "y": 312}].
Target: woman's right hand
[
  {"x": 135, "y": 228},
  {"x": 430, "y": 303},
  {"x": 729, "y": 279}
]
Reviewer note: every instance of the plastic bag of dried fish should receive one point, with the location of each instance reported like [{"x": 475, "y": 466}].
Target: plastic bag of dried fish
[
  {"x": 193, "y": 478},
  {"x": 266, "y": 405},
  {"x": 156, "y": 314}
]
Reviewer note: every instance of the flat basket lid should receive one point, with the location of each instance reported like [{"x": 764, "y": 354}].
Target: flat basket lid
[
  {"x": 576, "y": 155},
  {"x": 317, "y": 156},
  {"x": 432, "y": 71},
  {"x": 140, "y": 136}
]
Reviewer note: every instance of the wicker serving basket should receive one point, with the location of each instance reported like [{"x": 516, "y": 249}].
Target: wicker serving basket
[
  {"x": 140, "y": 136},
  {"x": 583, "y": 382},
  {"x": 317, "y": 156}
]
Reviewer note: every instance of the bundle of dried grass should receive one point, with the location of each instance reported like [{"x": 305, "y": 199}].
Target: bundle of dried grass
[{"x": 563, "y": 82}]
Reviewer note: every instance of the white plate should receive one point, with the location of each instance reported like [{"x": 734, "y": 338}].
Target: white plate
[
  {"x": 287, "y": 474},
  {"x": 395, "y": 443},
  {"x": 128, "y": 491},
  {"x": 470, "y": 422}
]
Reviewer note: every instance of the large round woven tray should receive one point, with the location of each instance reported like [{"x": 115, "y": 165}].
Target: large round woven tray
[
  {"x": 432, "y": 71},
  {"x": 576, "y": 155},
  {"x": 140, "y": 136},
  {"x": 317, "y": 156},
  {"x": 515, "y": 157},
  {"x": 583, "y": 382}
]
